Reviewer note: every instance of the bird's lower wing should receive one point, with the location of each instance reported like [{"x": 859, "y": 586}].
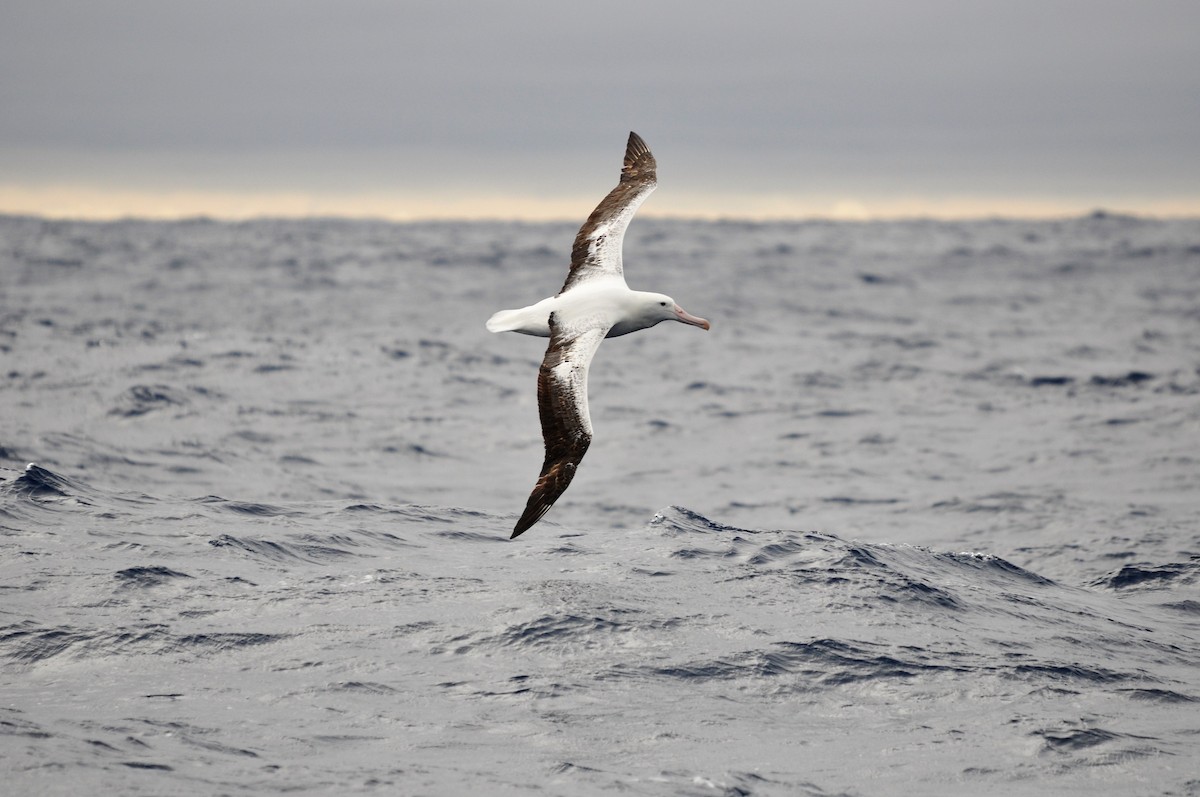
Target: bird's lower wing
[{"x": 563, "y": 407}]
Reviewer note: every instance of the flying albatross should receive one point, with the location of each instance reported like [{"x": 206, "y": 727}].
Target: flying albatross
[{"x": 594, "y": 304}]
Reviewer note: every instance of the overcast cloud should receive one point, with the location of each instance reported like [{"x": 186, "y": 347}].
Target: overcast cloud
[{"x": 868, "y": 99}]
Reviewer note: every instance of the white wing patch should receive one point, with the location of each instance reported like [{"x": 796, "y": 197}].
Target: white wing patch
[{"x": 606, "y": 241}]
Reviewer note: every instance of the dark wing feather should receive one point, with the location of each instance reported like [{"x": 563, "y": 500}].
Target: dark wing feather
[
  {"x": 597, "y": 248},
  {"x": 563, "y": 407}
]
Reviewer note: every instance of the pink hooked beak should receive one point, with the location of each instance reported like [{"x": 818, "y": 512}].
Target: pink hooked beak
[{"x": 688, "y": 318}]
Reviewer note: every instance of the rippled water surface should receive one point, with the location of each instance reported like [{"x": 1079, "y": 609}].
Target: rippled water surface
[{"x": 920, "y": 515}]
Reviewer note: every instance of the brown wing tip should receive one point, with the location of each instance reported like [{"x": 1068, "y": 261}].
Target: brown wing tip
[
  {"x": 553, "y": 482},
  {"x": 532, "y": 514},
  {"x": 635, "y": 146},
  {"x": 638, "y": 160}
]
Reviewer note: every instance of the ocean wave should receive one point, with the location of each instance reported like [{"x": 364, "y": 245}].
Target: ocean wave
[
  {"x": 1146, "y": 576},
  {"x": 28, "y": 644}
]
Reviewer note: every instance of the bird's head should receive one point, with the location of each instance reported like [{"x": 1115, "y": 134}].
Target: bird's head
[{"x": 661, "y": 307}]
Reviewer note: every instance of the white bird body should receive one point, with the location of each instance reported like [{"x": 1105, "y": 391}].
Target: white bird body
[
  {"x": 600, "y": 302},
  {"x": 594, "y": 304}
]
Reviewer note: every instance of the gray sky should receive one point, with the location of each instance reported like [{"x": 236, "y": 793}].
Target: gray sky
[{"x": 441, "y": 108}]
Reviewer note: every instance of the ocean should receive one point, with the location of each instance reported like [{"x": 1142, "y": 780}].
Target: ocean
[{"x": 919, "y": 515}]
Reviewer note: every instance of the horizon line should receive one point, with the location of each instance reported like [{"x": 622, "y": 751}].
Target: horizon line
[{"x": 89, "y": 203}]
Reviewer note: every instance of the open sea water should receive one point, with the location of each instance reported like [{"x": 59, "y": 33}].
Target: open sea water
[{"x": 920, "y": 515}]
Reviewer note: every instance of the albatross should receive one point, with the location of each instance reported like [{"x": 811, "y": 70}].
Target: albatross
[{"x": 594, "y": 304}]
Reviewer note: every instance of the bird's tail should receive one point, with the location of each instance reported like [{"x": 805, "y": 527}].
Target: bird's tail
[{"x": 504, "y": 321}]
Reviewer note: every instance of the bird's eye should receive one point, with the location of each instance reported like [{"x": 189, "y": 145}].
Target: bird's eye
[{"x": 662, "y": 304}]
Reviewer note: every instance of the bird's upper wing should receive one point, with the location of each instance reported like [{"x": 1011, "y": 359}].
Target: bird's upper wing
[
  {"x": 597, "y": 248},
  {"x": 563, "y": 407}
]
